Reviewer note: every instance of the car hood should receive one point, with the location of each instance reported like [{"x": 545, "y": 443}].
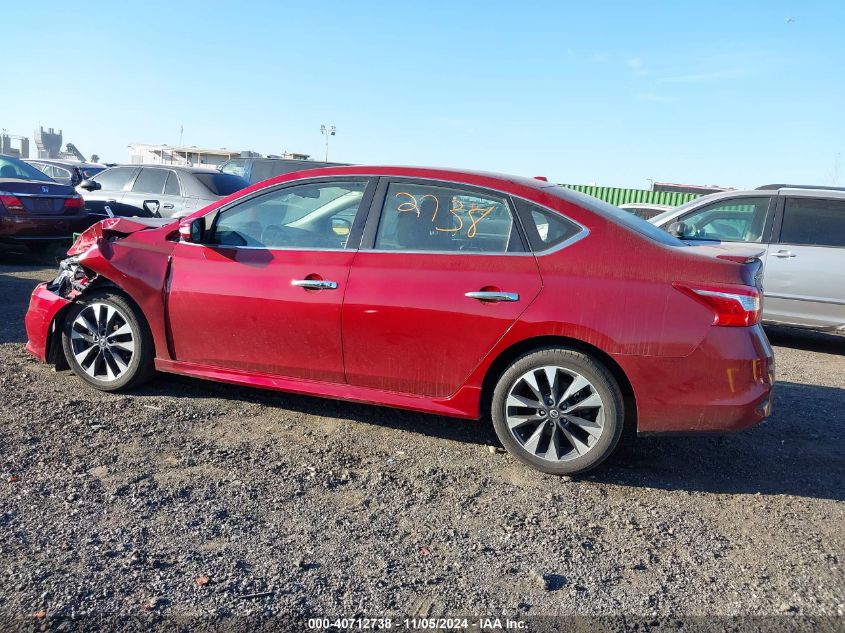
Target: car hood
[
  {"x": 116, "y": 227},
  {"x": 35, "y": 187}
]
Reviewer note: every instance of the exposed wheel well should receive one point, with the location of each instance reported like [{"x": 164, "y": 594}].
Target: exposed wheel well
[
  {"x": 55, "y": 354},
  {"x": 503, "y": 361}
]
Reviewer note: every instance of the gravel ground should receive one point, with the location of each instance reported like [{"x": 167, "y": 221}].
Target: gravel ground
[{"x": 189, "y": 499}]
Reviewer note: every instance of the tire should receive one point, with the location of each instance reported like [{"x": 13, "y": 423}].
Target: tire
[
  {"x": 123, "y": 358},
  {"x": 551, "y": 437}
]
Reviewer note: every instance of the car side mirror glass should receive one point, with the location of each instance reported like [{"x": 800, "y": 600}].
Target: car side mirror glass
[
  {"x": 678, "y": 229},
  {"x": 90, "y": 185},
  {"x": 192, "y": 231}
]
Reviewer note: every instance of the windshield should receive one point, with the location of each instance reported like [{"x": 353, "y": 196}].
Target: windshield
[
  {"x": 615, "y": 214},
  {"x": 222, "y": 184},
  {"x": 14, "y": 168}
]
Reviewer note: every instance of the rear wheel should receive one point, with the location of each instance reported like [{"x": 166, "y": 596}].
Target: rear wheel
[
  {"x": 107, "y": 342},
  {"x": 558, "y": 410}
]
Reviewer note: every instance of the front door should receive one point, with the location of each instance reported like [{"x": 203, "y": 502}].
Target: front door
[
  {"x": 444, "y": 275},
  {"x": 805, "y": 268},
  {"x": 264, "y": 290}
]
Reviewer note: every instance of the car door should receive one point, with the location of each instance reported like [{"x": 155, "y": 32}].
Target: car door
[
  {"x": 263, "y": 291},
  {"x": 144, "y": 198},
  {"x": 804, "y": 282},
  {"x": 442, "y": 274},
  {"x": 107, "y": 200}
]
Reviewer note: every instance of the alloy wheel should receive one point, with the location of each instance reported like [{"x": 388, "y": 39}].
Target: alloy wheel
[
  {"x": 556, "y": 414},
  {"x": 102, "y": 341}
]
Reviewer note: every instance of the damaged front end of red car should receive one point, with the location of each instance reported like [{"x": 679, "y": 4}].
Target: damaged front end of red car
[{"x": 94, "y": 259}]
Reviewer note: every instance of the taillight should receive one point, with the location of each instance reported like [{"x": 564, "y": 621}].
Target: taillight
[
  {"x": 12, "y": 203},
  {"x": 736, "y": 306},
  {"x": 74, "y": 204}
]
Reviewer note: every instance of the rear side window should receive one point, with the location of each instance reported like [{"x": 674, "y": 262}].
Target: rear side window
[
  {"x": 150, "y": 181},
  {"x": 114, "y": 179},
  {"x": 445, "y": 219},
  {"x": 545, "y": 228},
  {"x": 221, "y": 184},
  {"x": 811, "y": 222},
  {"x": 171, "y": 187}
]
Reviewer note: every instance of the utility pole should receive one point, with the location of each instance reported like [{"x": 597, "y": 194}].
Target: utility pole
[{"x": 328, "y": 131}]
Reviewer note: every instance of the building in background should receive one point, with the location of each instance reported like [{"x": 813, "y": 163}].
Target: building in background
[
  {"x": 189, "y": 156},
  {"x": 7, "y": 145},
  {"x": 192, "y": 156}
]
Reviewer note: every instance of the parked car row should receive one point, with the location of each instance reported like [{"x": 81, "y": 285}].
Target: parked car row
[{"x": 66, "y": 172}]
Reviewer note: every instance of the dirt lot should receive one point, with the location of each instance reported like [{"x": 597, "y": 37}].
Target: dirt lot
[{"x": 195, "y": 499}]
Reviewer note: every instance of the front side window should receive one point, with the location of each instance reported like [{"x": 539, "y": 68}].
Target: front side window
[
  {"x": 314, "y": 215},
  {"x": 150, "y": 181},
  {"x": 731, "y": 220},
  {"x": 811, "y": 222},
  {"x": 114, "y": 179},
  {"x": 439, "y": 218}
]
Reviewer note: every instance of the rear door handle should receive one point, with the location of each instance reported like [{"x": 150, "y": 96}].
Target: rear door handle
[
  {"x": 492, "y": 296},
  {"x": 783, "y": 254},
  {"x": 314, "y": 284}
]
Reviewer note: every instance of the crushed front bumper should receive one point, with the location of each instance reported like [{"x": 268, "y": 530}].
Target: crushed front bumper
[{"x": 44, "y": 306}]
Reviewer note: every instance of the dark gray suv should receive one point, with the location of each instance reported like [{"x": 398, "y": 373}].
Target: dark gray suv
[{"x": 155, "y": 190}]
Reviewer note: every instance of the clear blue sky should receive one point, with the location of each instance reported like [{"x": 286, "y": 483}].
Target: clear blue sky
[{"x": 708, "y": 92}]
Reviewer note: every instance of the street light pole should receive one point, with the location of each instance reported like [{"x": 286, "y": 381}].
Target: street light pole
[{"x": 328, "y": 131}]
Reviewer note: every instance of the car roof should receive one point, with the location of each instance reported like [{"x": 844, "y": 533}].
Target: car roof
[
  {"x": 179, "y": 168},
  {"x": 61, "y": 162},
  {"x": 426, "y": 173}
]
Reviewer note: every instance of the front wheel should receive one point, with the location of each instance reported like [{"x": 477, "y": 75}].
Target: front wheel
[
  {"x": 107, "y": 342},
  {"x": 558, "y": 410}
]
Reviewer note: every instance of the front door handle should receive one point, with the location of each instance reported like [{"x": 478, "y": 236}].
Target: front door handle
[
  {"x": 482, "y": 295},
  {"x": 783, "y": 254},
  {"x": 167, "y": 206},
  {"x": 314, "y": 284}
]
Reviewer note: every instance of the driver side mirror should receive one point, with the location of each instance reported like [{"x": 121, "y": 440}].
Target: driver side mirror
[
  {"x": 192, "y": 231},
  {"x": 678, "y": 229},
  {"x": 90, "y": 185}
]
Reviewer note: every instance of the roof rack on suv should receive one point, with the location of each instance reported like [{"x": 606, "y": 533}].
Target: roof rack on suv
[{"x": 783, "y": 186}]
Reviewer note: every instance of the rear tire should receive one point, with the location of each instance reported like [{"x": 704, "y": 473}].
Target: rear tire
[
  {"x": 558, "y": 410},
  {"x": 107, "y": 342}
]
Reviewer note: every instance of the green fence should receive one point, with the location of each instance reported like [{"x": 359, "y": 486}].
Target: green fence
[{"x": 617, "y": 195}]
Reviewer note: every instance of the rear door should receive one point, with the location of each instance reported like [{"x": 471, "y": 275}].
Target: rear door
[
  {"x": 804, "y": 282},
  {"x": 443, "y": 272},
  {"x": 144, "y": 199}
]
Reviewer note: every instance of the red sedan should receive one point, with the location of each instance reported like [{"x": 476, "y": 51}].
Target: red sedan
[{"x": 449, "y": 292}]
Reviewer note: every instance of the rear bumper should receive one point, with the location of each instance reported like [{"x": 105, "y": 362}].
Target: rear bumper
[
  {"x": 44, "y": 306},
  {"x": 27, "y": 228},
  {"x": 724, "y": 385}
]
